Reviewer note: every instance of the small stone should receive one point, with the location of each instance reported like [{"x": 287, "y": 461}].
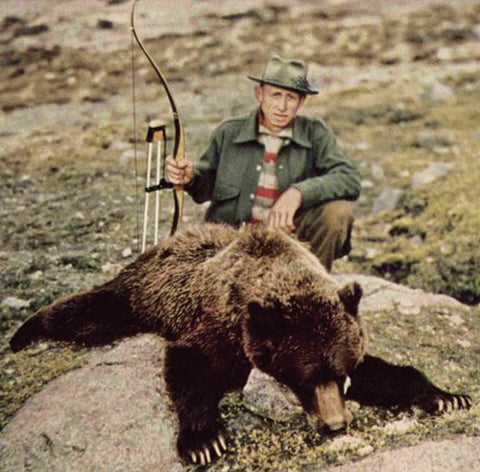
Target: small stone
[
  {"x": 388, "y": 200},
  {"x": 438, "y": 92},
  {"x": 15, "y": 303},
  {"x": 371, "y": 253},
  {"x": 401, "y": 426},
  {"x": 432, "y": 173},
  {"x": 367, "y": 184},
  {"x": 266, "y": 397},
  {"x": 117, "y": 144},
  {"x": 432, "y": 141},
  {"x": 126, "y": 157},
  {"x": 377, "y": 172},
  {"x": 464, "y": 343},
  {"x": 476, "y": 30},
  {"x": 38, "y": 275},
  {"x": 447, "y": 249},
  {"x": 127, "y": 252},
  {"x": 362, "y": 146}
]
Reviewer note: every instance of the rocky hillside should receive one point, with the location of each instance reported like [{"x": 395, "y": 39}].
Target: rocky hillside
[{"x": 400, "y": 87}]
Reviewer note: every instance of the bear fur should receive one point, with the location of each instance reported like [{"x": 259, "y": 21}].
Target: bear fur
[{"x": 228, "y": 300}]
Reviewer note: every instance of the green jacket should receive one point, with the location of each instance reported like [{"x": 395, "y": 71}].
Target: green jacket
[{"x": 227, "y": 173}]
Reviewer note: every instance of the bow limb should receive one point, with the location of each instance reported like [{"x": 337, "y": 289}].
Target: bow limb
[{"x": 179, "y": 143}]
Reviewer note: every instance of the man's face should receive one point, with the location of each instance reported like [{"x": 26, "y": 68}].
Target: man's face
[{"x": 279, "y": 105}]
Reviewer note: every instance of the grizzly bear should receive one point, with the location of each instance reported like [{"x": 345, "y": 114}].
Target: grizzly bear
[{"x": 227, "y": 300}]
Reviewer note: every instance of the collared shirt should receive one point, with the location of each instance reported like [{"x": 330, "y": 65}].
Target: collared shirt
[{"x": 227, "y": 173}]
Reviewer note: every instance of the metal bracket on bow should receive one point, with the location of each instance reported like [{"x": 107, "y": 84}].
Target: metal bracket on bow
[{"x": 179, "y": 140}]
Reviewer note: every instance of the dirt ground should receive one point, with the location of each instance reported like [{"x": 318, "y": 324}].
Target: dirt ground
[{"x": 400, "y": 87}]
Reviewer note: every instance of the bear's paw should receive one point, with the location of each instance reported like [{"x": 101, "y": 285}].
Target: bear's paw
[
  {"x": 446, "y": 402},
  {"x": 201, "y": 447}
]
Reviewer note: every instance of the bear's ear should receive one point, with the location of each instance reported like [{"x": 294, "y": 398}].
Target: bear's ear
[
  {"x": 350, "y": 295},
  {"x": 265, "y": 321}
]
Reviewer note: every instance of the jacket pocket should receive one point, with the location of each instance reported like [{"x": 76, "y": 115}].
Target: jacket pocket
[
  {"x": 223, "y": 191},
  {"x": 224, "y": 204}
]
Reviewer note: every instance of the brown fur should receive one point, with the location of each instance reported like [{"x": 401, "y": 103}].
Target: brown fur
[{"x": 226, "y": 300}]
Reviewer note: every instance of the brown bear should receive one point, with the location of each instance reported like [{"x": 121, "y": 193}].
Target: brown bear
[{"x": 228, "y": 300}]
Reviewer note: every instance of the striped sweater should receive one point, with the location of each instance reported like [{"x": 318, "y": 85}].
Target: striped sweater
[{"x": 267, "y": 193}]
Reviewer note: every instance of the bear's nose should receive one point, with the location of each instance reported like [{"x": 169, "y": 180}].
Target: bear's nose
[{"x": 330, "y": 412}]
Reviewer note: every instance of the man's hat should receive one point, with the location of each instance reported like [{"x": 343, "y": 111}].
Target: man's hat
[{"x": 288, "y": 74}]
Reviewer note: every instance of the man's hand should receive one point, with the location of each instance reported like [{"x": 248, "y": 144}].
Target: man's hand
[
  {"x": 282, "y": 212},
  {"x": 179, "y": 173}
]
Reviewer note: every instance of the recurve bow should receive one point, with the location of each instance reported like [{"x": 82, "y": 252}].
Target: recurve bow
[{"x": 179, "y": 142}]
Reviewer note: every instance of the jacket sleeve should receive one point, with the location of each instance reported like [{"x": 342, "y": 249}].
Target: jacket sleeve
[
  {"x": 335, "y": 176},
  {"x": 205, "y": 171}
]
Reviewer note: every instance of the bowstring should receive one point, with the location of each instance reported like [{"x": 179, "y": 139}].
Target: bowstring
[{"x": 135, "y": 139}]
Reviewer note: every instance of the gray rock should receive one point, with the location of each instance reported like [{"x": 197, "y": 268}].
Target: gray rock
[
  {"x": 127, "y": 252},
  {"x": 432, "y": 141},
  {"x": 377, "y": 172},
  {"x": 367, "y": 184},
  {"x": 388, "y": 200},
  {"x": 380, "y": 295},
  {"x": 461, "y": 455},
  {"x": 459, "y": 53},
  {"x": 265, "y": 397},
  {"x": 476, "y": 30},
  {"x": 111, "y": 415},
  {"x": 432, "y": 173},
  {"x": 126, "y": 157},
  {"x": 15, "y": 303},
  {"x": 437, "y": 92}
]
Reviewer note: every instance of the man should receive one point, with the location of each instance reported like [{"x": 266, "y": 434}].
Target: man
[{"x": 277, "y": 168}]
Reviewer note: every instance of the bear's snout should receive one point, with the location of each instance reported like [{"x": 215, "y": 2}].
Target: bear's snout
[{"x": 329, "y": 409}]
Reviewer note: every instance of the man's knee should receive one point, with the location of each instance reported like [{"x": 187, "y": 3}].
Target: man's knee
[
  {"x": 337, "y": 215},
  {"x": 328, "y": 229}
]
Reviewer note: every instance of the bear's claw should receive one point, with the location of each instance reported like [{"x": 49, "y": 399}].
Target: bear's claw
[
  {"x": 206, "y": 455},
  {"x": 447, "y": 403}
]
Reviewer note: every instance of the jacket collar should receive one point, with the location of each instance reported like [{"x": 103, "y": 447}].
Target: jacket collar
[{"x": 249, "y": 130}]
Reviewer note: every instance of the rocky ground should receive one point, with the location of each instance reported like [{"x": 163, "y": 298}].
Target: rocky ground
[{"x": 400, "y": 87}]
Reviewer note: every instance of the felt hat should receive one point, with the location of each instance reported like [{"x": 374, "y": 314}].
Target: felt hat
[{"x": 288, "y": 74}]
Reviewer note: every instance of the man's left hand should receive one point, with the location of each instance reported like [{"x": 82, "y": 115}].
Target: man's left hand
[{"x": 282, "y": 212}]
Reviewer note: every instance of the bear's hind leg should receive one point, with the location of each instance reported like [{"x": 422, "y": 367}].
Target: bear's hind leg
[
  {"x": 196, "y": 382},
  {"x": 377, "y": 382}
]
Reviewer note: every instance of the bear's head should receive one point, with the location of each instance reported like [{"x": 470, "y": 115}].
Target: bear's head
[{"x": 310, "y": 340}]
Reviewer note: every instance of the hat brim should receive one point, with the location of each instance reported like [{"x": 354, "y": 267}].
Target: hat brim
[{"x": 308, "y": 91}]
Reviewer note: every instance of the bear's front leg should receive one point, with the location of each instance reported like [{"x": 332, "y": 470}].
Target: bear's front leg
[
  {"x": 377, "y": 382},
  {"x": 197, "y": 378}
]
